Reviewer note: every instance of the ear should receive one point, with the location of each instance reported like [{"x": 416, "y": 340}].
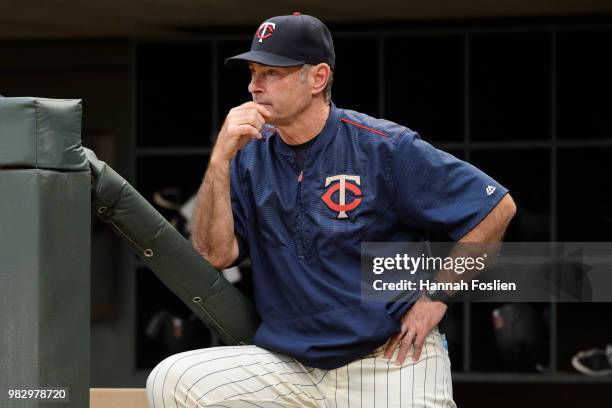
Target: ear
[{"x": 320, "y": 75}]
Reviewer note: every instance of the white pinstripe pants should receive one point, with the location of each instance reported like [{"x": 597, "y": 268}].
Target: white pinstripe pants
[{"x": 249, "y": 376}]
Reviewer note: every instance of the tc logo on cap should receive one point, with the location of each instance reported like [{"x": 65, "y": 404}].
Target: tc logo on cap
[{"x": 265, "y": 30}]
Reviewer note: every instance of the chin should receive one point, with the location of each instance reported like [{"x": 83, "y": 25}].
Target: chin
[
  {"x": 276, "y": 121},
  {"x": 273, "y": 121}
]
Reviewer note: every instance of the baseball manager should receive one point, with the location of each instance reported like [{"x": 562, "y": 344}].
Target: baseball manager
[{"x": 296, "y": 184}]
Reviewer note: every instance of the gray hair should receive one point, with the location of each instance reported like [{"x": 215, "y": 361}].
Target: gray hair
[{"x": 328, "y": 87}]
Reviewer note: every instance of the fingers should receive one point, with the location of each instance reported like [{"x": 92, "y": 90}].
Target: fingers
[
  {"x": 417, "y": 323},
  {"x": 391, "y": 345},
  {"x": 242, "y": 123},
  {"x": 413, "y": 339},
  {"x": 419, "y": 341},
  {"x": 405, "y": 345},
  {"x": 245, "y": 122},
  {"x": 262, "y": 110},
  {"x": 253, "y": 119},
  {"x": 248, "y": 130},
  {"x": 248, "y": 117}
]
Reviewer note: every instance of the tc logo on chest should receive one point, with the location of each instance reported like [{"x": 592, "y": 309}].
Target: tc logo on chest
[{"x": 341, "y": 183}]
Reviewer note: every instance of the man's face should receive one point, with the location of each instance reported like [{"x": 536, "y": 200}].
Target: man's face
[{"x": 285, "y": 92}]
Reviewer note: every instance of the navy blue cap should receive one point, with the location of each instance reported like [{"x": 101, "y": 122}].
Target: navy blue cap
[{"x": 289, "y": 41}]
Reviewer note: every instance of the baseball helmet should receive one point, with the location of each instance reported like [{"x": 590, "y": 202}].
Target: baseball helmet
[{"x": 522, "y": 336}]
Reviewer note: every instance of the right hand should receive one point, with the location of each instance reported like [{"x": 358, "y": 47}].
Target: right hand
[{"x": 242, "y": 124}]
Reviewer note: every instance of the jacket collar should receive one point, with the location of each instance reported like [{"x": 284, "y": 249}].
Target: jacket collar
[{"x": 327, "y": 133}]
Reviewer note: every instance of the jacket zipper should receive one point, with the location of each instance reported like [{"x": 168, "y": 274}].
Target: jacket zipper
[{"x": 300, "y": 215}]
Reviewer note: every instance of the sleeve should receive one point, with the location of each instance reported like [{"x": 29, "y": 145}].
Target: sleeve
[
  {"x": 436, "y": 191},
  {"x": 239, "y": 212}
]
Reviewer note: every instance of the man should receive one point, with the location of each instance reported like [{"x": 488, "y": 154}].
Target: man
[{"x": 297, "y": 184}]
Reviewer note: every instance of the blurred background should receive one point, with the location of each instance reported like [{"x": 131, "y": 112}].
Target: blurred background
[{"x": 520, "y": 89}]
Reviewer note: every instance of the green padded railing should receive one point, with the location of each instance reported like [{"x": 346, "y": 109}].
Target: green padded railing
[{"x": 223, "y": 308}]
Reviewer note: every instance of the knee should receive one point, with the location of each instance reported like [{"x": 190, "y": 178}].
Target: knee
[
  {"x": 161, "y": 376},
  {"x": 184, "y": 378},
  {"x": 173, "y": 378}
]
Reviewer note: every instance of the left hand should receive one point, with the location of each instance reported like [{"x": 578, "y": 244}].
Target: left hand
[{"x": 420, "y": 319}]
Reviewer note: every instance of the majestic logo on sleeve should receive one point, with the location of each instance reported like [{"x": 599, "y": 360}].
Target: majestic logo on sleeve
[
  {"x": 265, "y": 30},
  {"x": 344, "y": 182}
]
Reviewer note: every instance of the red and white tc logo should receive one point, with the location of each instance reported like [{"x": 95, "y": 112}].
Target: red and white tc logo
[
  {"x": 265, "y": 30},
  {"x": 343, "y": 184}
]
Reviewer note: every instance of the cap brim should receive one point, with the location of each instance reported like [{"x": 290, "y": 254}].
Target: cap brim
[{"x": 264, "y": 58}]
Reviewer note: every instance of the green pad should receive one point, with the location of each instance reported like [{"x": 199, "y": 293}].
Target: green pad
[
  {"x": 223, "y": 308},
  {"x": 41, "y": 133},
  {"x": 44, "y": 251}
]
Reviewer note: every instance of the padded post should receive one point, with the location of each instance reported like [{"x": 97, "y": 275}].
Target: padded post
[{"x": 44, "y": 252}]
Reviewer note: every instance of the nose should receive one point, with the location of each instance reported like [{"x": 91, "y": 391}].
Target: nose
[{"x": 255, "y": 86}]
